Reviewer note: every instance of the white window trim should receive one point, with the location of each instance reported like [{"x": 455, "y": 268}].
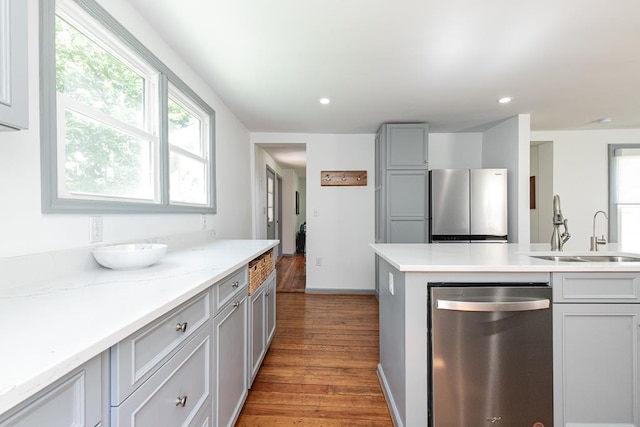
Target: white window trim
[
  {"x": 52, "y": 201},
  {"x": 616, "y": 150}
]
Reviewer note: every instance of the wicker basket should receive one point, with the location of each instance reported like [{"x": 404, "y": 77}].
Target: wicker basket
[{"x": 259, "y": 270}]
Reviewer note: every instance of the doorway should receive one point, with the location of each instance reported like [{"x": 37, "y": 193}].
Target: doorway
[{"x": 271, "y": 204}]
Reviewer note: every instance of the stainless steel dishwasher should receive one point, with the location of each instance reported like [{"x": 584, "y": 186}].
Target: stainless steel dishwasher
[{"x": 491, "y": 355}]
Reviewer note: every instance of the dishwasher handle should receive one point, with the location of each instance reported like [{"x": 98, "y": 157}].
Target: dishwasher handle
[{"x": 487, "y": 306}]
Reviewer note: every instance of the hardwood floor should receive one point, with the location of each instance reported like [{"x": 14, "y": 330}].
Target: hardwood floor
[
  {"x": 291, "y": 273},
  {"x": 321, "y": 367}
]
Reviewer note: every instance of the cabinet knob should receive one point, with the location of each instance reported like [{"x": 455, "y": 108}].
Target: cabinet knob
[
  {"x": 236, "y": 304},
  {"x": 181, "y": 401},
  {"x": 235, "y": 284},
  {"x": 181, "y": 327}
]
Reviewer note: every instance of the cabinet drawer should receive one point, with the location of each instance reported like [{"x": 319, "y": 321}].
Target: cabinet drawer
[
  {"x": 137, "y": 357},
  {"x": 185, "y": 378},
  {"x": 596, "y": 287},
  {"x": 225, "y": 290},
  {"x": 75, "y": 400}
]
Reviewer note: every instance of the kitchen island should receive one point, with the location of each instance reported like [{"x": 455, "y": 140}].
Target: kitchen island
[
  {"x": 594, "y": 383},
  {"x": 55, "y": 325}
]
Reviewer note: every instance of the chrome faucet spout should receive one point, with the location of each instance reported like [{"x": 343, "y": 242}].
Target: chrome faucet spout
[
  {"x": 559, "y": 239},
  {"x": 595, "y": 242}
]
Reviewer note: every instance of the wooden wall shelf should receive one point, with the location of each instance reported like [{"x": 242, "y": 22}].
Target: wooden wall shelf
[{"x": 343, "y": 178}]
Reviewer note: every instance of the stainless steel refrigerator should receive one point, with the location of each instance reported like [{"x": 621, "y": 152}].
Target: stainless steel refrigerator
[{"x": 468, "y": 205}]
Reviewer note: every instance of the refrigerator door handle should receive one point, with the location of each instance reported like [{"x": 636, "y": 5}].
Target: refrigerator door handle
[{"x": 484, "y": 306}]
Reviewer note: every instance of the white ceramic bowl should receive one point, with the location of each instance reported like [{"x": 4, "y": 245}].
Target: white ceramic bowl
[{"x": 127, "y": 257}]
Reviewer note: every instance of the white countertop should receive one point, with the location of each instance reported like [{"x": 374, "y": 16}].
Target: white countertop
[
  {"x": 491, "y": 257},
  {"x": 49, "y": 328}
]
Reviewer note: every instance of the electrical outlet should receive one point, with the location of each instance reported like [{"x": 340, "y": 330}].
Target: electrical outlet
[
  {"x": 319, "y": 262},
  {"x": 203, "y": 222},
  {"x": 95, "y": 229}
]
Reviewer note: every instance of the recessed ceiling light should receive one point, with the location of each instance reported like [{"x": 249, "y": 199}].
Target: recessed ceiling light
[
  {"x": 504, "y": 100},
  {"x": 324, "y": 101},
  {"x": 604, "y": 120}
]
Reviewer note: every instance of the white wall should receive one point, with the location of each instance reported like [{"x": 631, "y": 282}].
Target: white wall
[
  {"x": 455, "y": 150},
  {"x": 581, "y": 176},
  {"x": 506, "y": 145},
  {"x": 341, "y": 231},
  {"x": 24, "y": 229}
]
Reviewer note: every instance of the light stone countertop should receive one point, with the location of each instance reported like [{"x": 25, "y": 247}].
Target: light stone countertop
[
  {"x": 492, "y": 257},
  {"x": 49, "y": 328}
]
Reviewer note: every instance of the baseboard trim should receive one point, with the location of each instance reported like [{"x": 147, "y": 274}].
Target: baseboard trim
[
  {"x": 340, "y": 291},
  {"x": 391, "y": 404}
]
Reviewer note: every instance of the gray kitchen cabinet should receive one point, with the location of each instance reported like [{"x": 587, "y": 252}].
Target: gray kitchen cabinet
[
  {"x": 177, "y": 394},
  {"x": 14, "y": 113},
  {"x": 270, "y": 296},
  {"x": 596, "y": 349},
  {"x": 138, "y": 357},
  {"x": 262, "y": 323},
  {"x": 401, "y": 183},
  {"x": 406, "y": 208},
  {"x": 406, "y": 145},
  {"x": 161, "y": 374},
  {"x": 257, "y": 338},
  {"x": 75, "y": 400},
  {"x": 230, "y": 366}
]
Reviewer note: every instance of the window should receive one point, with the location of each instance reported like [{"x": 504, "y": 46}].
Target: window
[
  {"x": 624, "y": 195},
  {"x": 120, "y": 131}
]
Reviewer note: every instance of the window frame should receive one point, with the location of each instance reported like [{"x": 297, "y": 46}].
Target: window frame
[
  {"x": 613, "y": 189},
  {"x": 51, "y": 200}
]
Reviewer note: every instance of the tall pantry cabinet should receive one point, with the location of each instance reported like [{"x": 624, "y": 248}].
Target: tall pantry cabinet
[{"x": 401, "y": 184}]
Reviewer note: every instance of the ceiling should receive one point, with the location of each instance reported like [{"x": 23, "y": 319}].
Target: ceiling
[{"x": 568, "y": 63}]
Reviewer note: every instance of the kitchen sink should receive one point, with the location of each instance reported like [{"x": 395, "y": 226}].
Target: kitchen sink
[{"x": 588, "y": 258}]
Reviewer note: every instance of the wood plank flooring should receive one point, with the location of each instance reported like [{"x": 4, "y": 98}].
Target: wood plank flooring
[
  {"x": 321, "y": 367},
  {"x": 291, "y": 273}
]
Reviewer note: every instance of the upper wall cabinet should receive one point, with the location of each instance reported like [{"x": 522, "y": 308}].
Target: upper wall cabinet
[
  {"x": 14, "y": 112},
  {"x": 407, "y": 145}
]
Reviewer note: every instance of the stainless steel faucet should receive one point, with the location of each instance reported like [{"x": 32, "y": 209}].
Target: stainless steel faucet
[
  {"x": 558, "y": 240},
  {"x": 595, "y": 241}
]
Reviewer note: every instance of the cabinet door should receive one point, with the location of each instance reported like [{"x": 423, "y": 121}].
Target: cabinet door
[
  {"x": 596, "y": 363},
  {"x": 230, "y": 364},
  {"x": 407, "y": 146},
  {"x": 257, "y": 338},
  {"x": 176, "y": 394},
  {"x": 406, "y": 209},
  {"x": 13, "y": 64},
  {"x": 76, "y": 400},
  {"x": 270, "y": 297},
  {"x": 137, "y": 357}
]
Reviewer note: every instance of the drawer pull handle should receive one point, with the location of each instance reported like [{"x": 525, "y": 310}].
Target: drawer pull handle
[
  {"x": 181, "y": 327},
  {"x": 235, "y": 284},
  {"x": 236, "y": 304},
  {"x": 181, "y": 401}
]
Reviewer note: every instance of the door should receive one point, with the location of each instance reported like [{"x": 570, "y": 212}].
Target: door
[
  {"x": 407, "y": 206},
  {"x": 449, "y": 202},
  {"x": 271, "y": 203},
  {"x": 597, "y": 363},
  {"x": 488, "y": 199}
]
